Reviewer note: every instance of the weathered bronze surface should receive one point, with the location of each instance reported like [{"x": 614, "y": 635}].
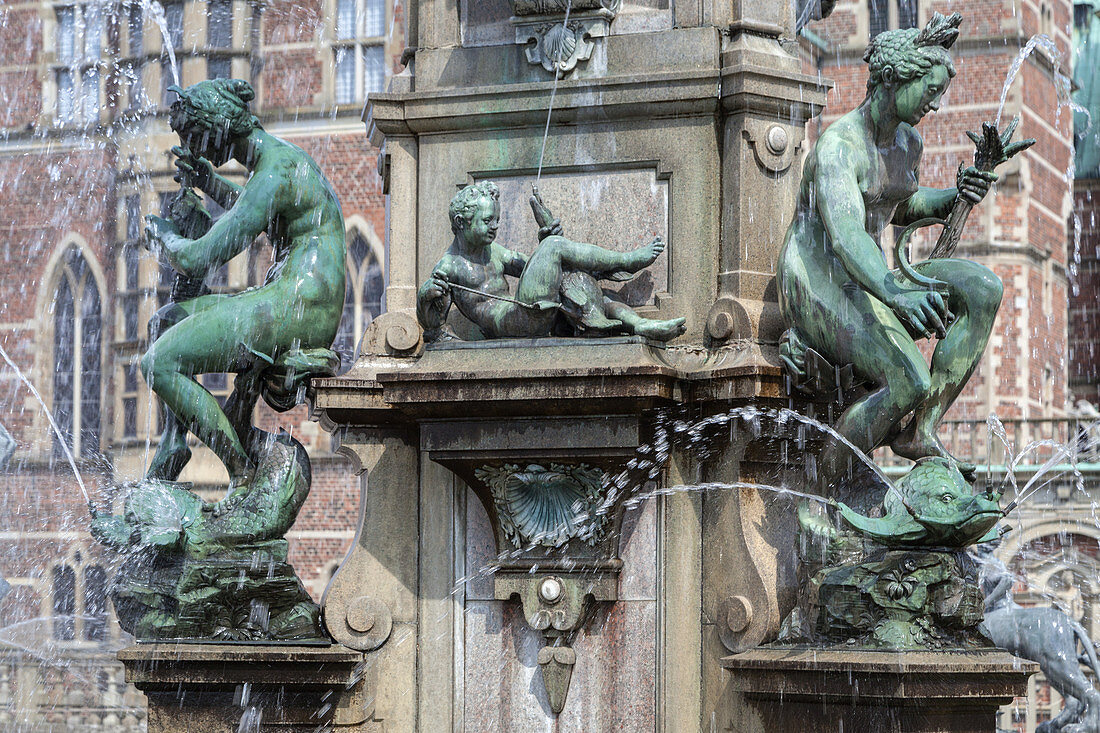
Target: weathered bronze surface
[
  {"x": 842, "y": 304},
  {"x": 219, "y": 571},
  {"x": 558, "y": 292},
  {"x": 901, "y": 580}
]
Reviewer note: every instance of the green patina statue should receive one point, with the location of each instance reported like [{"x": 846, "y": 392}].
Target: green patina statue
[
  {"x": 901, "y": 580},
  {"x": 558, "y": 290},
  {"x": 219, "y": 570},
  {"x": 899, "y": 577},
  {"x": 842, "y": 303}
]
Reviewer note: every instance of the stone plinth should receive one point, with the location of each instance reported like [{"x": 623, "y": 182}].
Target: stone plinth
[
  {"x": 826, "y": 691},
  {"x": 211, "y": 687}
]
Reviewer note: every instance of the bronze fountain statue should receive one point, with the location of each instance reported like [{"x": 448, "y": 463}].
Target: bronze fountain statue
[
  {"x": 898, "y": 577},
  {"x": 219, "y": 571}
]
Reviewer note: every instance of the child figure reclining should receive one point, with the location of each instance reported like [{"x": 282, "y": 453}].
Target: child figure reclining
[{"x": 560, "y": 275}]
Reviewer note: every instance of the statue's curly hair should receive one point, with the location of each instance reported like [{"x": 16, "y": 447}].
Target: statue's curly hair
[
  {"x": 219, "y": 104},
  {"x": 911, "y": 52},
  {"x": 464, "y": 203}
]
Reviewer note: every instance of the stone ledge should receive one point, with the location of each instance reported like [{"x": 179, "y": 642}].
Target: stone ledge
[
  {"x": 819, "y": 691},
  {"x": 209, "y": 687},
  {"x": 231, "y": 664},
  {"x": 510, "y": 377}
]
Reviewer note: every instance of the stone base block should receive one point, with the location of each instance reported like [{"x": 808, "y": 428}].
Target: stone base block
[
  {"x": 196, "y": 688},
  {"x": 827, "y": 691}
]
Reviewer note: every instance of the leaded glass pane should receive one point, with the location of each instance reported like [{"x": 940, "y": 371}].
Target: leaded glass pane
[
  {"x": 93, "y": 31},
  {"x": 91, "y": 372},
  {"x": 374, "y": 69},
  {"x": 95, "y": 603},
  {"x": 66, "y": 35},
  {"x": 173, "y": 19},
  {"x": 64, "y": 602},
  {"x": 375, "y": 18},
  {"x": 373, "y": 289},
  {"x": 345, "y": 76},
  {"x": 878, "y": 16},
  {"x": 63, "y": 335},
  {"x": 135, "y": 29},
  {"x": 65, "y": 96},
  {"x": 345, "y": 19},
  {"x": 219, "y": 24},
  {"x": 133, "y": 232},
  {"x": 90, "y": 109},
  {"x": 907, "y": 13}
]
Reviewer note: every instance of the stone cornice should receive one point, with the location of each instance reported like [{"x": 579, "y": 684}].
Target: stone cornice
[{"x": 509, "y": 377}]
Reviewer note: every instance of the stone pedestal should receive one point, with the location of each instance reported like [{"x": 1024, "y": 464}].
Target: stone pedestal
[
  {"x": 827, "y": 691},
  {"x": 195, "y": 688}
]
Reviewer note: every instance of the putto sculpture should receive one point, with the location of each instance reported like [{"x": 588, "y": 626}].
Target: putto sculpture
[
  {"x": 219, "y": 570},
  {"x": 898, "y": 577},
  {"x": 558, "y": 289}
]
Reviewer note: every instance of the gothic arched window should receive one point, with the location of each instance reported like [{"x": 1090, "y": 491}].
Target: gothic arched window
[
  {"x": 363, "y": 297},
  {"x": 77, "y": 341}
]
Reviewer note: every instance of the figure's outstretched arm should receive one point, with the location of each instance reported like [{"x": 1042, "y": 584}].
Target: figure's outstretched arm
[{"x": 231, "y": 234}]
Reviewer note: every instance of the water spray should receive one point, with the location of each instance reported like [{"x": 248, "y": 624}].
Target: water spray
[
  {"x": 57, "y": 431},
  {"x": 553, "y": 93}
]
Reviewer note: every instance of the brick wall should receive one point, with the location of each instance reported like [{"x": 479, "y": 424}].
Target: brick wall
[{"x": 1084, "y": 302}]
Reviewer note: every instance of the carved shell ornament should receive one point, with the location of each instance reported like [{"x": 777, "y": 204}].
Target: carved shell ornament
[
  {"x": 559, "y": 43},
  {"x": 547, "y": 506}
]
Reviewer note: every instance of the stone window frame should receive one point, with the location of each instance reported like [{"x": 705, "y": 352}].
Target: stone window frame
[
  {"x": 78, "y": 62},
  {"x": 370, "y": 256},
  {"x": 359, "y": 43}
]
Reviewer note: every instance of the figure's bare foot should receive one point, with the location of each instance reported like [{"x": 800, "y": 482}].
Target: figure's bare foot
[
  {"x": 644, "y": 256},
  {"x": 660, "y": 330},
  {"x": 914, "y": 446}
]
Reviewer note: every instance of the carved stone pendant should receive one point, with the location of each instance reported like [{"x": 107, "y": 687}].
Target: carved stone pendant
[{"x": 557, "y": 671}]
